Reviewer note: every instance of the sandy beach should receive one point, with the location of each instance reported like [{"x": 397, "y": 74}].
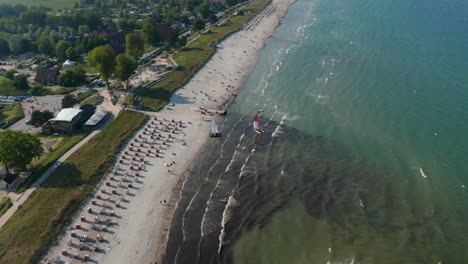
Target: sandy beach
[{"x": 137, "y": 198}]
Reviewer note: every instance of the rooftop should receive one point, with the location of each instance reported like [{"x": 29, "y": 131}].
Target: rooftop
[
  {"x": 67, "y": 114},
  {"x": 97, "y": 117}
]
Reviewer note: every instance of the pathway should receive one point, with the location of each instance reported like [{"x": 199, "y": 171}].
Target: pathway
[{"x": 18, "y": 200}]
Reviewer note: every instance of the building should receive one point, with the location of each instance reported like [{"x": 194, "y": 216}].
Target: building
[
  {"x": 98, "y": 118},
  {"x": 47, "y": 76},
  {"x": 68, "y": 64},
  {"x": 68, "y": 120}
]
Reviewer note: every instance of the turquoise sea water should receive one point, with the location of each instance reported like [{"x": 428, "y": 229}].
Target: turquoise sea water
[{"x": 388, "y": 80}]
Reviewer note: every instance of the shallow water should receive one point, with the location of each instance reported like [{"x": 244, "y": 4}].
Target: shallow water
[{"x": 371, "y": 163}]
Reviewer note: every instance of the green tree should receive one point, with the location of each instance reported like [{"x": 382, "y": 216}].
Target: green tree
[
  {"x": 182, "y": 41},
  {"x": 83, "y": 28},
  {"x": 199, "y": 24},
  {"x": 150, "y": 34},
  {"x": 69, "y": 101},
  {"x": 204, "y": 10},
  {"x": 231, "y": 2},
  {"x": 126, "y": 65},
  {"x": 33, "y": 16},
  {"x": 18, "y": 45},
  {"x": 191, "y": 4},
  {"x": 71, "y": 53},
  {"x": 18, "y": 149},
  {"x": 134, "y": 44},
  {"x": 38, "y": 118},
  {"x": 103, "y": 60},
  {"x": 10, "y": 74},
  {"x": 20, "y": 82},
  {"x": 5, "y": 83},
  {"x": 173, "y": 38},
  {"x": 61, "y": 49},
  {"x": 37, "y": 89},
  {"x": 72, "y": 77},
  {"x": 45, "y": 45},
  {"x": 4, "y": 49}
]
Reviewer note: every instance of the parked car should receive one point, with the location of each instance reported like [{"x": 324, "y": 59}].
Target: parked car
[
  {"x": 27, "y": 122},
  {"x": 29, "y": 100}
]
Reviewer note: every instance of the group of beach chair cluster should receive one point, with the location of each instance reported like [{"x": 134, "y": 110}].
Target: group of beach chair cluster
[{"x": 100, "y": 215}]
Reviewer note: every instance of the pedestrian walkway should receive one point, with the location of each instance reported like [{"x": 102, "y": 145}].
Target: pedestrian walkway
[{"x": 25, "y": 195}]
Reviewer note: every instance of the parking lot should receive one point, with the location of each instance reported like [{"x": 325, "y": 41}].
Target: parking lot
[{"x": 52, "y": 103}]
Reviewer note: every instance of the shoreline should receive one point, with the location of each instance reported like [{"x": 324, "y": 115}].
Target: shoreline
[{"x": 144, "y": 225}]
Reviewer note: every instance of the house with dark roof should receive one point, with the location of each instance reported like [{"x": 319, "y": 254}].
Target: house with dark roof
[{"x": 47, "y": 76}]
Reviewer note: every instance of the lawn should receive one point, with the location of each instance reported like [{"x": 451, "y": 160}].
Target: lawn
[
  {"x": 194, "y": 56},
  {"x": 93, "y": 100},
  {"x": 42, "y": 218},
  {"x": 5, "y": 203},
  {"x": 62, "y": 145},
  {"x": 9, "y": 114},
  {"x": 54, "y": 4}
]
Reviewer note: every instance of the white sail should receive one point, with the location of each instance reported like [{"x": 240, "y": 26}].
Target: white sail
[{"x": 214, "y": 129}]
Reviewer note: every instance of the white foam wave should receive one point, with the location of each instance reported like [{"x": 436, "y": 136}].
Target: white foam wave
[{"x": 422, "y": 173}]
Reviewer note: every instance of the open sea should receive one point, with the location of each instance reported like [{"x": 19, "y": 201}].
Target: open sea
[{"x": 364, "y": 158}]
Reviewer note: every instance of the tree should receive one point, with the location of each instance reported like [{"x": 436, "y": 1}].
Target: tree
[
  {"x": 72, "y": 77},
  {"x": 18, "y": 149},
  {"x": 37, "y": 89},
  {"x": 38, "y": 118},
  {"x": 61, "y": 49},
  {"x": 10, "y": 74},
  {"x": 231, "y": 2},
  {"x": 69, "y": 101},
  {"x": 199, "y": 24},
  {"x": 126, "y": 65},
  {"x": 150, "y": 34},
  {"x": 5, "y": 83},
  {"x": 213, "y": 18},
  {"x": 102, "y": 59},
  {"x": 33, "y": 16},
  {"x": 18, "y": 45},
  {"x": 191, "y": 4},
  {"x": 45, "y": 45},
  {"x": 4, "y": 49},
  {"x": 204, "y": 10},
  {"x": 173, "y": 38},
  {"x": 71, "y": 53},
  {"x": 20, "y": 82},
  {"x": 182, "y": 41},
  {"x": 134, "y": 44}
]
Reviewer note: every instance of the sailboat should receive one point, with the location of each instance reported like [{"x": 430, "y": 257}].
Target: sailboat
[
  {"x": 256, "y": 125},
  {"x": 214, "y": 129}
]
